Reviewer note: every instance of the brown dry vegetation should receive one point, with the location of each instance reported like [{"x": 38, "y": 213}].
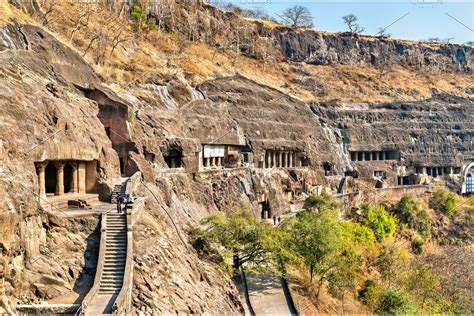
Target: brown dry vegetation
[{"x": 159, "y": 52}]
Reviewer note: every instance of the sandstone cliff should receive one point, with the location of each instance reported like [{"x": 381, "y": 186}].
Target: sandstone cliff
[{"x": 54, "y": 106}]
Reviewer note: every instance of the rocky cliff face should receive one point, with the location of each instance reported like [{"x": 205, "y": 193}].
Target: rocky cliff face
[
  {"x": 320, "y": 48},
  {"x": 54, "y": 106}
]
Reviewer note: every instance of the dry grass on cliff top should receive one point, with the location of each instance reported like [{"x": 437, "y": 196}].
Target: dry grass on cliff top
[{"x": 169, "y": 53}]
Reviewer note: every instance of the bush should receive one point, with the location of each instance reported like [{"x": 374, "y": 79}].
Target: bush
[
  {"x": 417, "y": 246},
  {"x": 379, "y": 220},
  {"x": 394, "y": 302},
  {"x": 443, "y": 201},
  {"x": 369, "y": 294},
  {"x": 321, "y": 202},
  {"x": 410, "y": 211}
]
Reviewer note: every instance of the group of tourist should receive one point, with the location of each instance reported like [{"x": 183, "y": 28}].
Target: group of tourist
[{"x": 128, "y": 199}]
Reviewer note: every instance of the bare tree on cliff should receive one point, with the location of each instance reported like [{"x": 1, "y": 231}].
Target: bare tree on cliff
[
  {"x": 351, "y": 21},
  {"x": 297, "y": 16}
]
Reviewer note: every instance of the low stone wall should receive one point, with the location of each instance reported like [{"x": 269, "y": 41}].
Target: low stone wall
[
  {"x": 123, "y": 303},
  {"x": 100, "y": 263},
  {"x": 47, "y": 309},
  {"x": 378, "y": 195}
]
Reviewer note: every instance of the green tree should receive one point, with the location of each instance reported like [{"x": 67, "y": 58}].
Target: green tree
[
  {"x": 443, "y": 201},
  {"x": 392, "y": 263},
  {"x": 321, "y": 202},
  {"x": 394, "y": 301},
  {"x": 257, "y": 244},
  {"x": 379, "y": 220},
  {"x": 316, "y": 238},
  {"x": 411, "y": 212},
  {"x": 343, "y": 274}
]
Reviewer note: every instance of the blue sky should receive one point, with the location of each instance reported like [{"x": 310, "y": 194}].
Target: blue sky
[{"x": 425, "y": 19}]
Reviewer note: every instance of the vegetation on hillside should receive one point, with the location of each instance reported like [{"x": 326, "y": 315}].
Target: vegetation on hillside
[
  {"x": 129, "y": 48},
  {"x": 379, "y": 258}
]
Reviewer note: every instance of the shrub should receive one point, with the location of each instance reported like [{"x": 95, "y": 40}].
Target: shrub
[
  {"x": 369, "y": 293},
  {"x": 410, "y": 211},
  {"x": 443, "y": 201},
  {"x": 417, "y": 246},
  {"x": 394, "y": 302},
  {"x": 321, "y": 202},
  {"x": 379, "y": 220}
]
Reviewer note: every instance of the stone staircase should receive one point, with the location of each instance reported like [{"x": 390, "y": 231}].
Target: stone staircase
[
  {"x": 118, "y": 189},
  {"x": 112, "y": 266},
  {"x": 115, "y": 254}
]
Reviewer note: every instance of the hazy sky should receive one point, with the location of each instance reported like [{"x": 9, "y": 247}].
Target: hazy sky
[{"x": 422, "y": 18}]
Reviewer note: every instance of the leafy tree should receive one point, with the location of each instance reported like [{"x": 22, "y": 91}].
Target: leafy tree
[
  {"x": 321, "y": 202},
  {"x": 359, "y": 238},
  {"x": 379, "y": 220},
  {"x": 410, "y": 211},
  {"x": 342, "y": 277},
  {"x": 444, "y": 201},
  {"x": 391, "y": 263},
  {"x": 297, "y": 16},
  {"x": 257, "y": 244},
  {"x": 394, "y": 301},
  {"x": 316, "y": 238},
  {"x": 350, "y": 21}
]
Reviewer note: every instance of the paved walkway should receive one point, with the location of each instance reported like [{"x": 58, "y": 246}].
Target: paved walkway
[
  {"x": 102, "y": 304},
  {"x": 266, "y": 295}
]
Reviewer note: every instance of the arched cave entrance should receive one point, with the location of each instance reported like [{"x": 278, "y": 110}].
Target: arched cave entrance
[
  {"x": 174, "y": 158},
  {"x": 265, "y": 210},
  {"x": 470, "y": 181},
  {"x": 50, "y": 178}
]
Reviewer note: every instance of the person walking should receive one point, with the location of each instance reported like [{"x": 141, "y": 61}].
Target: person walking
[{"x": 119, "y": 203}]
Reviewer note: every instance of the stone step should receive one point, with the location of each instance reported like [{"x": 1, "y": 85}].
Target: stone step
[
  {"x": 111, "y": 291},
  {"x": 111, "y": 282}
]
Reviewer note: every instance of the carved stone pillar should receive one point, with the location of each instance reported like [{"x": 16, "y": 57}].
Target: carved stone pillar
[
  {"x": 59, "y": 177},
  {"x": 290, "y": 159},
  {"x": 42, "y": 179},
  {"x": 74, "y": 187},
  {"x": 280, "y": 156},
  {"x": 268, "y": 160},
  {"x": 273, "y": 159},
  {"x": 81, "y": 177}
]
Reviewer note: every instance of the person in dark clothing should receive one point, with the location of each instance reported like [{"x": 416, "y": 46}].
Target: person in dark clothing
[{"x": 119, "y": 203}]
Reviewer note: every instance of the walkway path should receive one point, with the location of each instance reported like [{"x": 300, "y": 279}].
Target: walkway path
[
  {"x": 112, "y": 267},
  {"x": 267, "y": 296}
]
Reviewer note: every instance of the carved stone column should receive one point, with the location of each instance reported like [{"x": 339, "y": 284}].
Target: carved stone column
[
  {"x": 42, "y": 179},
  {"x": 290, "y": 159},
  {"x": 280, "y": 156},
  {"x": 74, "y": 178},
  {"x": 273, "y": 159},
  {"x": 81, "y": 177},
  {"x": 268, "y": 160},
  {"x": 59, "y": 177}
]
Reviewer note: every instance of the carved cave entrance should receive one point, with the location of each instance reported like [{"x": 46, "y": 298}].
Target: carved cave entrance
[
  {"x": 58, "y": 177},
  {"x": 265, "y": 209},
  {"x": 174, "y": 158},
  {"x": 50, "y": 178}
]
